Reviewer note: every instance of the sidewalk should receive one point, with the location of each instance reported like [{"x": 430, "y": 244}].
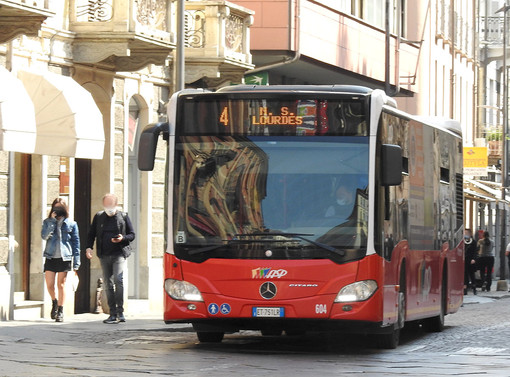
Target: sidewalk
[
  {"x": 485, "y": 297},
  {"x": 94, "y": 322}
]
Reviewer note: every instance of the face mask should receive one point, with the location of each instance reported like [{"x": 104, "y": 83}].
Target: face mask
[
  {"x": 341, "y": 202},
  {"x": 59, "y": 211},
  {"x": 110, "y": 211}
]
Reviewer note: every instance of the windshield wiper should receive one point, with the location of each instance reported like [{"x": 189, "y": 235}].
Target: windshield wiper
[
  {"x": 300, "y": 236},
  {"x": 205, "y": 249}
]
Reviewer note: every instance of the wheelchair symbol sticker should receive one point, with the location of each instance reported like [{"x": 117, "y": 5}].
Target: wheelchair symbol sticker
[
  {"x": 225, "y": 309},
  {"x": 213, "y": 309}
]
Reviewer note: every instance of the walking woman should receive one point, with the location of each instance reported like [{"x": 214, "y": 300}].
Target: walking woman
[
  {"x": 486, "y": 260},
  {"x": 62, "y": 250}
]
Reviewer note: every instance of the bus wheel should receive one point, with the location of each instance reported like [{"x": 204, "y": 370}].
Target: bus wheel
[
  {"x": 392, "y": 339},
  {"x": 436, "y": 324},
  {"x": 210, "y": 337},
  {"x": 271, "y": 332}
]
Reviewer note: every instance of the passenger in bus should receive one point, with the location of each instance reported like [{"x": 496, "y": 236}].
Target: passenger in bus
[
  {"x": 486, "y": 260},
  {"x": 470, "y": 255},
  {"x": 344, "y": 201}
]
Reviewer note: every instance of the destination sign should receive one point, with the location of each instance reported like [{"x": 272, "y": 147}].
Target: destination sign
[
  {"x": 264, "y": 116},
  {"x": 284, "y": 117}
]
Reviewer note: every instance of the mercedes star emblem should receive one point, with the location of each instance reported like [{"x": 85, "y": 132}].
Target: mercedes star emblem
[{"x": 267, "y": 290}]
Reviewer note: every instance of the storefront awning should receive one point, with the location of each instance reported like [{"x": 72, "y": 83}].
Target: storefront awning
[
  {"x": 67, "y": 118},
  {"x": 17, "y": 117}
]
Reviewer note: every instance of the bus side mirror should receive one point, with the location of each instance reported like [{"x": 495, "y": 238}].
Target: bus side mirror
[
  {"x": 391, "y": 165},
  {"x": 148, "y": 143}
]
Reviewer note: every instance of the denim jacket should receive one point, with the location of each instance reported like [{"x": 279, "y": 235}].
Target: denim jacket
[{"x": 69, "y": 243}]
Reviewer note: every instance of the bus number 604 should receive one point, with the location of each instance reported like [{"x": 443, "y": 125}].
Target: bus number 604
[{"x": 321, "y": 309}]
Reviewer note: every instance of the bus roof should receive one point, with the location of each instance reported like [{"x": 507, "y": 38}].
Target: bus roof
[
  {"x": 298, "y": 88},
  {"x": 444, "y": 123}
]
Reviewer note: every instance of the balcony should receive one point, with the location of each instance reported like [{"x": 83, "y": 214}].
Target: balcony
[
  {"x": 491, "y": 37},
  {"x": 124, "y": 35},
  {"x": 19, "y": 17},
  {"x": 217, "y": 42}
]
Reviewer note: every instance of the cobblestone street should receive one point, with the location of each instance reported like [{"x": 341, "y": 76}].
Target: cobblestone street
[{"x": 475, "y": 342}]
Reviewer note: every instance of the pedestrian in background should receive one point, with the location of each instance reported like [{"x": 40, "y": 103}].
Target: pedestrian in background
[
  {"x": 507, "y": 253},
  {"x": 486, "y": 260},
  {"x": 470, "y": 255},
  {"x": 62, "y": 249},
  {"x": 113, "y": 232}
]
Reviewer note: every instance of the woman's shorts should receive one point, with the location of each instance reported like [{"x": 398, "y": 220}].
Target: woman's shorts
[{"x": 57, "y": 265}]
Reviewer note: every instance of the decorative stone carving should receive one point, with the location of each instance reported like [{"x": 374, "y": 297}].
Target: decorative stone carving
[
  {"x": 128, "y": 37},
  {"x": 94, "y": 52},
  {"x": 151, "y": 13},
  {"x": 213, "y": 73},
  {"x": 195, "y": 72},
  {"x": 18, "y": 18},
  {"x": 234, "y": 27},
  {"x": 12, "y": 28},
  {"x": 136, "y": 62},
  {"x": 217, "y": 41}
]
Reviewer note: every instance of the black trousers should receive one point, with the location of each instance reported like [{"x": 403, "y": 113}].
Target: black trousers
[
  {"x": 469, "y": 274},
  {"x": 486, "y": 264}
]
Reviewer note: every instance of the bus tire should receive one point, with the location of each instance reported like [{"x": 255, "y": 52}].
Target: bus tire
[
  {"x": 436, "y": 324},
  {"x": 392, "y": 339},
  {"x": 210, "y": 337}
]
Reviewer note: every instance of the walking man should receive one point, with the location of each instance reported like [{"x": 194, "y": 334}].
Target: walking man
[{"x": 113, "y": 232}]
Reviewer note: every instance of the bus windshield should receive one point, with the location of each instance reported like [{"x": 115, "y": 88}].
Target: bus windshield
[{"x": 235, "y": 196}]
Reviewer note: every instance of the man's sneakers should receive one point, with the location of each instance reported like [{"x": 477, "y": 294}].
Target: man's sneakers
[
  {"x": 111, "y": 320},
  {"x": 121, "y": 317}
]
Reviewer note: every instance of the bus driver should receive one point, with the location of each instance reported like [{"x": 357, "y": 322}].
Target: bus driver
[{"x": 343, "y": 204}]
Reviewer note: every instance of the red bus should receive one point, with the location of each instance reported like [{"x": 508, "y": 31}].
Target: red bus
[{"x": 303, "y": 208}]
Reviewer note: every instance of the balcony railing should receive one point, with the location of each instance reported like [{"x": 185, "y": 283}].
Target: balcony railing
[
  {"x": 217, "y": 35},
  {"x": 491, "y": 30},
  {"x": 19, "y": 17},
  {"x": 126, "y": 33}
]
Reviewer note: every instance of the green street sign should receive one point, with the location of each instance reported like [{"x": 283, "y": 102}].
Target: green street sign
[{"x": 259, "y": 78}]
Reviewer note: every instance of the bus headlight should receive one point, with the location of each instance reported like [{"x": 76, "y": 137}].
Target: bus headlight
[
  {"x": 359, "y": 291},
  {"x": 182, "y": 290}
]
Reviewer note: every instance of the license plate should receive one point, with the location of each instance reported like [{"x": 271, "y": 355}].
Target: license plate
[{"x": 268, "y": 312}]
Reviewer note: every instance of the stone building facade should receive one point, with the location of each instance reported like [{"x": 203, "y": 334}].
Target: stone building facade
[{"x": 120, "y": 53}]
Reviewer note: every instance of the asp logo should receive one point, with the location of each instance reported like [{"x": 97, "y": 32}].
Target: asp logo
[{"x": 267, "y": 273}]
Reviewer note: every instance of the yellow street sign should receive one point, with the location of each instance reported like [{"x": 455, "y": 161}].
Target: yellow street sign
[{"x": 476, "y": 161}]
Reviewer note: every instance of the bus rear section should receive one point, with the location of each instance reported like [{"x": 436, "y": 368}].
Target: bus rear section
[{"x": 303, "y": 208}]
